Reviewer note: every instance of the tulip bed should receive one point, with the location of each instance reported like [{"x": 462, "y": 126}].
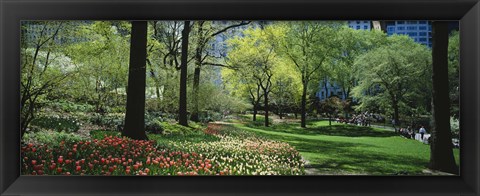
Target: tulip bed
[{"x": 233, "y": 153}]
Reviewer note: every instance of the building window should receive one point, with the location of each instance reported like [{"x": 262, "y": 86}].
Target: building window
[
  {"x": 358, "y": 22},
  {"x": 400, "y": 28},
  {"x": 422, "y": 33},
  {"x": 358, "y": 26},
  {"x": 390, "y": 29},
  {"x": 412, "y": 28},
  {"x": 365, "y": 26},
  {"x": 422, "y": 28},
  {"x": 412, "y": 33},
  {"x": 411, "y": 22},
  {"x": 400, "y": 22},
  {"x": 422, "y": 22},
  {"x": 423, "y": 39}
]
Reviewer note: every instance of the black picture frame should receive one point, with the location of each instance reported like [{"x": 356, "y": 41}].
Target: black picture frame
[{"x": 13, "y": 11}]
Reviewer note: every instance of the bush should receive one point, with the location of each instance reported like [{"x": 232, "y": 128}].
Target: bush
[
  {"x": 112, "y": 121},
  {"x": 154, "y": 126},
  {"x": 51, "y": 138},
  {"x": 57, "y": 123},
  {"x": 100, "y": 134},
  {"x": 67, "y": 106}
]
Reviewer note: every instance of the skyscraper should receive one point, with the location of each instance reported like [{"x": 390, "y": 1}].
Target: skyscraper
[{"x": 419, "y": 30}]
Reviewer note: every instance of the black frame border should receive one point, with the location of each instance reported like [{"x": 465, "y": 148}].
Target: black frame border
[{"x": 12, "y": 12}]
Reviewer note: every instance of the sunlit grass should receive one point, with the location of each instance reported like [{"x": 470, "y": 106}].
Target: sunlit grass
[{"x": 349, "y": 149}]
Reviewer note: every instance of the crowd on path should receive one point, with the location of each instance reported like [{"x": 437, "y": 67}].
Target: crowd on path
[{"x": 364, "y": 119}]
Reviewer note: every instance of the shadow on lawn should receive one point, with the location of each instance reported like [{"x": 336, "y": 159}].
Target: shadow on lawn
[
  {"x": 352, "y": 158},
  {"x": 333, "y": 130}
]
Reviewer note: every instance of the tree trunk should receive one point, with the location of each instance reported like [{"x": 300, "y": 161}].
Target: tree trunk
[
  {"x": 196, "y": 75},
  {"x": 254, "y": 113},
  {"x": 441, "y": 153},
  {"x": 196, "y": 84},
  {"x": 182, "y": 111},
  {"x": 265, "y": 96},
  {"x": 326, "y": 87},
  {"x": 135, "y": 111},
  {"x": 304, "y": 105},
  {"x": 395, "y": 114}
]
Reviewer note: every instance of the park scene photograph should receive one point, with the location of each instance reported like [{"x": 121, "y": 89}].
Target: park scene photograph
[{"x": 187, "y": 98}]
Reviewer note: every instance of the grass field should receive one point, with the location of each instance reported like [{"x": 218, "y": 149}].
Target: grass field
[{"x": 348, "y": 149}]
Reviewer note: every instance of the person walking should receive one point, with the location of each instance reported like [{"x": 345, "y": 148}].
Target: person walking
[{"x": 422, "y": 131}]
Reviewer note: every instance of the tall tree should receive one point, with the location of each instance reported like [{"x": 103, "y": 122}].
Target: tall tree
[
  {"x": 351, "y": 44},
  {"x": 441, "y": 153},
  {"x": 254, "y": 58},
  {"x": 393, "y": 75},
  {"x": 205, "y": 33},
  {"x": 135, "y": 111},
  {"x": 309, "y": 45},
  {"x": 182, "y": 110}
]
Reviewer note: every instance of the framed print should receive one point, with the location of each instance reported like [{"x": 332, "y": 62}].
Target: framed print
[{"x": 239, "y": 97}]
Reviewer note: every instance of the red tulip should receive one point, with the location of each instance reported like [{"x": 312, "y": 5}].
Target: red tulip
[
  {"x": 34, "y": 162},
  {"x": 60, "y": 160},
  {"x": 59, "y": 170},
  {"x": 79, "y": 168}
]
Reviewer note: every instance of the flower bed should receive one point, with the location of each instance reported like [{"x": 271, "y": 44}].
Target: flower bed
[
  {"x": 233, "y": 154},
  {"x": 112, "y": 156}
]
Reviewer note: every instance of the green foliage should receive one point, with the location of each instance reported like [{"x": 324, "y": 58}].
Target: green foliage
[
  {"x": 395, "y": 74},
  {"x": 351, "y": 44},
  {"x": 454, "y": 73},
  {"x": 154, "y": 126},
  {"x": 174, "y": 128},
  {"x": 331, "y": 106},
  {"x": 111, "y": 120},
  {"x": 101, "y": 134},
  {"x": 68, "y": 106},
  {"x": 56, "y": 123},
  {"x": 51, "y": 138}
]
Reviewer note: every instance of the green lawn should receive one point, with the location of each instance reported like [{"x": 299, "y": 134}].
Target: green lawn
[{"x": 349, "y": 149}]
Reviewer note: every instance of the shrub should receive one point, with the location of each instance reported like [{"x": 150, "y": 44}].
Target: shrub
[
  {"x": 51, "y": 138},
  {"x": 112, "y": 121},
  {"x": 56, "y": 122},
  {"x": 100, "y": 134},
  {"x": 154, "y": 126},
  {"x": 67, "y": 106},
  {"x": 173, "y": 128}
]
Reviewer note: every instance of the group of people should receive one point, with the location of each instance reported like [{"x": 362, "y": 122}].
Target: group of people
[
  {"x": 360, "y": 120},
  {"x": 410, "y": 133}
]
